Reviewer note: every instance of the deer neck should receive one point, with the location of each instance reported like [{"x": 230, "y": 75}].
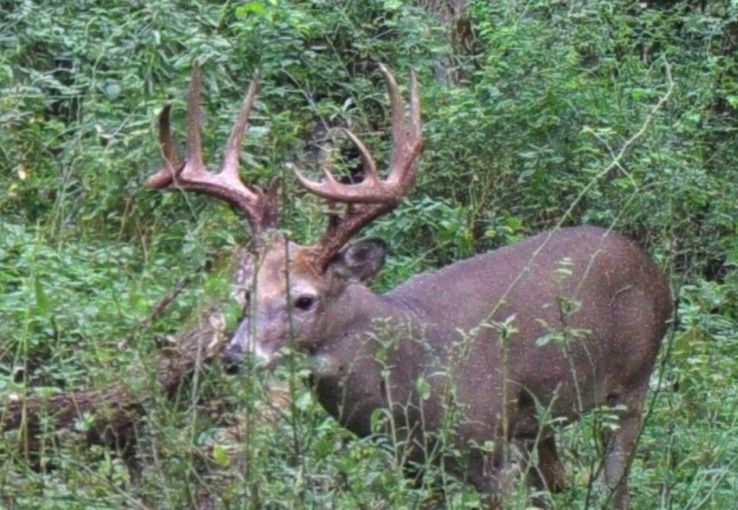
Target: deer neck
[{"x": 366, "y": 357}]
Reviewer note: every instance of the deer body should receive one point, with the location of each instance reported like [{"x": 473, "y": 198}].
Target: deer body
[
  {"x": 550, "y": 327},
  {"x": 599, "y": 296},
  {"x": 623, "y": 304}
]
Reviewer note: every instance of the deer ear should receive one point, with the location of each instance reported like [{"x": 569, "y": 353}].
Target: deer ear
[{"x": 359, "y": 261}]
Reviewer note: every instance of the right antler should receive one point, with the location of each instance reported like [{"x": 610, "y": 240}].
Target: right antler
[
  {"x": 259, "y": 207},
  {"x": 372, "y": 196}
]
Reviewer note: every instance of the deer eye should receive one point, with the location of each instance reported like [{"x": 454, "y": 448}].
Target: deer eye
[{"x": 305, "y": 302}]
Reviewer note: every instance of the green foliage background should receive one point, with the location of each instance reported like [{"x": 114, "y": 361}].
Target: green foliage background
[{"x": 520, "y": 123}]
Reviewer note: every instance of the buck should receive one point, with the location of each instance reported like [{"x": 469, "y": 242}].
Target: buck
[{"x": 548, "y": 328}]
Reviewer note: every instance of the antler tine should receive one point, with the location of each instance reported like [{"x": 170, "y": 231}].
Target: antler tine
[
  {"x": 259, "y": 208},
  {"x": 194, "y": 121},
  {"x": 406, "y": 142},
  {"x": 370, "y": 167},
  {"x": 397, "y": 112},
  {"x": 368, "y": 190},
  {"x": 230, "y": 160},
  {"x": 165, "y": 176}
]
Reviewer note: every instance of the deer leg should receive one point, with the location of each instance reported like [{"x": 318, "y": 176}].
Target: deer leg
[
  {"x": 619, "y": 447},
  {"x": 493, "y": 473},
  {"x": 549, "y": 472}
]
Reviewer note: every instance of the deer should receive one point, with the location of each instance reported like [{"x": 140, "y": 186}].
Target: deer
[{"x": 545, "y": 329}]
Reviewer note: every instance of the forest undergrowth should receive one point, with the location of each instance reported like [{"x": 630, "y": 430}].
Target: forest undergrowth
[{"x": 537, "y": 114}]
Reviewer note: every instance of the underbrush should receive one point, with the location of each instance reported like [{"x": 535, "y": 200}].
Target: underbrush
[{"x": 525, "y": 105}]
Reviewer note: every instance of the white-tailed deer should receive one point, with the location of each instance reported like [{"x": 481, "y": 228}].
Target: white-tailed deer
[{"x": 550, "y": 327}]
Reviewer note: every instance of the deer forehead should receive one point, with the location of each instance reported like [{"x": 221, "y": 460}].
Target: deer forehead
[{"x": 276, "y": 270}]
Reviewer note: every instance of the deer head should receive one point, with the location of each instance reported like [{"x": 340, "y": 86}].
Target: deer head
[{"x": 295, "y": 288}]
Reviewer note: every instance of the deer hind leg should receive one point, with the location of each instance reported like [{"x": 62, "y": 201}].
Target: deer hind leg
[
  {"x": 494, "y": 473},
  {"x": 620, "y": 446},
  {"x": 548, "y": 473}
]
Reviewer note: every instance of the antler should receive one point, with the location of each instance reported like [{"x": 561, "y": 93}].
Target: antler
[
  {"x": 259, "y": 207},
  {"x": 372, "y": 196}
]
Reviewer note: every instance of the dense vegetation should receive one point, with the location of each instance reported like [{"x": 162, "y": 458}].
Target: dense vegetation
[{"x": 528, "y": 107}]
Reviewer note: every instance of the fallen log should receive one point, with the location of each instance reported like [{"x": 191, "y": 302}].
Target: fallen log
[
  {"x": 115, "y": 409},
  {"x": 111, "y": 413}
]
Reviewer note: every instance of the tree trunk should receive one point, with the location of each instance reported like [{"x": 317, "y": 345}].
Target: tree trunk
[{"x": 452, "y": 14}]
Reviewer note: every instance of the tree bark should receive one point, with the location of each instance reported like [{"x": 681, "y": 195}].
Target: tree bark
[{"x": 453, "y": 15}]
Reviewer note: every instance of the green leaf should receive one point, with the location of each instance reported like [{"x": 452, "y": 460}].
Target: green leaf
[
  {"x": 392, "y": 5},
  {"x": 221, "y": 456},
  {"x": 423, "y": 387},
  {"x": 251, "y": 7},
  {"x": 42, "y": 301}
]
